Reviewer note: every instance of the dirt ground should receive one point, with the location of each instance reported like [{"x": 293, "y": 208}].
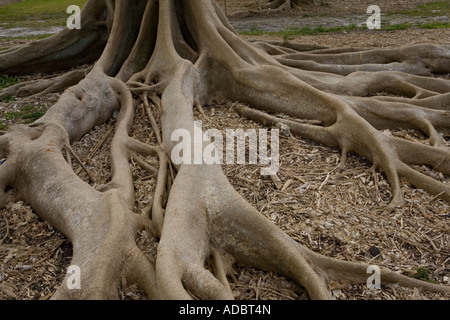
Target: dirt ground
[
  {"x": 330, "y": 7},
  {"x": 332, "y": 14},
  {"x": 336, "y": 212}
]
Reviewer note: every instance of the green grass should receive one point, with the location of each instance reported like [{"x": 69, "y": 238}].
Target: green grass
[
  {"x": 37, "y": 13},
  {"x": 31, "y": 37},
  {"x": 296, "y": 32},
  {"x": 26, "y": 114},
  {"x": 6, "y": 81},
  {"x": 287, "y": 34},
  {"x": 8, "y": 99},
  {"x": 422, "y": 274}
]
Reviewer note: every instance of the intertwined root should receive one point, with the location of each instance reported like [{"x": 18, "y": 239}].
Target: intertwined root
[{"x": 175, "y": 55}]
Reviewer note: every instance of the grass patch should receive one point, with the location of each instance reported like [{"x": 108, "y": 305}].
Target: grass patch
[
  {"x": 31, "y": 37},
  {"x": 8, "y": 99},
  {"x": 7, "y": 81},
  {"x": 299, "y": 32},
  {"x": 26, "y": 114},
  {"x": 287, "y": 34},
  {"x": 37, "y": 13},
  {"x": 422, "y": 274}
]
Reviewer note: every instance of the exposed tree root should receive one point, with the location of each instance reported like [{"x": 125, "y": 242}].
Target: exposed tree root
[
  {"x": 65, "y": 50},
  {"x": 419, "y": 59},
  {"x": 43, "y": 86},
  {"x": 266, "y": 6},
  {"x": 176, "y": 55}
]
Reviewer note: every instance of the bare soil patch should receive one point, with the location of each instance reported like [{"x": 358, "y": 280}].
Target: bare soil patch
[
  {"x": 246, "y": 17},
  {"x": 367, "y": 38},
  {"x": 331, "y": 7}
]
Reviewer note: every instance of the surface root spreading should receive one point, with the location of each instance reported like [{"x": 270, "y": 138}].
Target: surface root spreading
[{"x": 170, "y": 57}]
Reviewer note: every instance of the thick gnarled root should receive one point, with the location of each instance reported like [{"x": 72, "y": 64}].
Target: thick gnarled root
[
  {"x": 387, "y": 153},
  {"x": 43, "y": 179},
  {"x": 64, "y": 50},
  {"x": 418, "y": 59},
  {"x": 44, "y": 86},
  {"x": 233, "y": 231},
  {"x": 175, "y": 55},
  {"x": 272, "y": 6}
]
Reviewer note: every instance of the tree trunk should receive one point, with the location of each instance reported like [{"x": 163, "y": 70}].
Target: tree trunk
[{"x": 173, "y": 55}]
